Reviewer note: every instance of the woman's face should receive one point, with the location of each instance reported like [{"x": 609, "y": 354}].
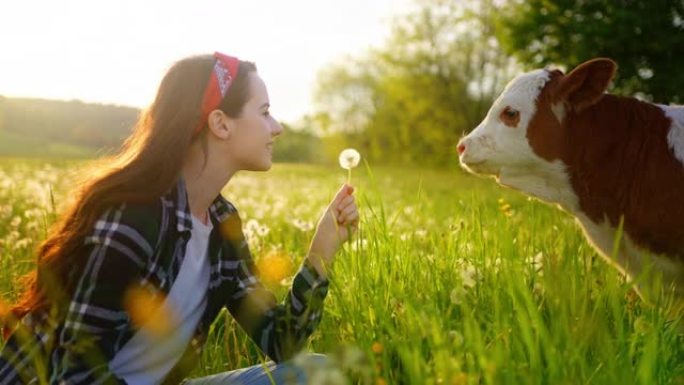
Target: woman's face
[{"x": 253, "y": 133}]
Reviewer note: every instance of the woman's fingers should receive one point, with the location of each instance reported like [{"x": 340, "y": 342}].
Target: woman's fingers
[
  {"x": 346, "y": 211},
  {"x": 345, "y": 202},
  {"x": 352, "y": 219},
  {"x": 344, "y": 191},
  {"x": 341, "y": 200},
  {"x": 349, "y": 212}
]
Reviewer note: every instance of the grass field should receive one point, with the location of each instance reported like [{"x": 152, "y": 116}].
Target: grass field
[
  {"x": 20, "y": 145},
  {"x": 451, "y": 279}
]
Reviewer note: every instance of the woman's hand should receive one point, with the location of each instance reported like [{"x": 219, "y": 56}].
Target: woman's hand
[{"x": 335, "y": 227}]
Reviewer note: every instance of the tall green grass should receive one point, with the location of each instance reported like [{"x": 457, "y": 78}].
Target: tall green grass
[{"x": 450, "y": 280}]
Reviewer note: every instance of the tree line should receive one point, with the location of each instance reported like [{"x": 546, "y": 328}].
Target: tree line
[{"x": 410, "y": 100}]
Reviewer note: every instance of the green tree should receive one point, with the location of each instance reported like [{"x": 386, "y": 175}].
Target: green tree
[
  {"x": 410, "y": 100},
  {"x": 297, "y": 145},
  {"x": 645, "y": 38}
]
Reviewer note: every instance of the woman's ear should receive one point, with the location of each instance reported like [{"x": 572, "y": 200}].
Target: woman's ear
[{"x": 220, "y": 125}]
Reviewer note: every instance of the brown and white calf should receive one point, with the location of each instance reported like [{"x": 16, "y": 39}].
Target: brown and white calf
[{"x": 600, "y": 157}]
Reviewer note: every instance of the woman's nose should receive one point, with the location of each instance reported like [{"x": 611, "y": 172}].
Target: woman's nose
[{"x": 277, "y": 128}]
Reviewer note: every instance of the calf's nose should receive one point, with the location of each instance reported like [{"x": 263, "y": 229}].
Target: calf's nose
[{"x": 461, "y": 147}]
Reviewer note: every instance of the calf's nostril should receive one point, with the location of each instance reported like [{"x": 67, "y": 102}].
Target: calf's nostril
[{"x": 461, "y": 148}]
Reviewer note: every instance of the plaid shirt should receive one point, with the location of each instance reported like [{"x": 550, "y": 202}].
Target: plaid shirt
[{"x": 144, "y": 246}]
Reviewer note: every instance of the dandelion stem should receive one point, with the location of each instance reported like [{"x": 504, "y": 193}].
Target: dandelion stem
[{"x": 349, "y": 175}]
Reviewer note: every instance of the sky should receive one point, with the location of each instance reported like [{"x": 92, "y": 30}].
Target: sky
[{"x": 116, "y": 52}]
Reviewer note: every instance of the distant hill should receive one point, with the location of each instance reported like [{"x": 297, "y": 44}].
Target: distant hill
[
  {"x": 40, "y": 127},
  {"x": 60, "y": 129}
]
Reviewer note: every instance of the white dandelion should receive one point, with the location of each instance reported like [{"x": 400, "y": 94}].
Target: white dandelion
[
  {"x": 349, "y": 158},
  {"x": 469, "y": 276},
  {"x": 303, "y": 225}
]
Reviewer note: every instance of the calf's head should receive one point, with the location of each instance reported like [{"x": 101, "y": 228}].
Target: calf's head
[{"x": 523, "y": 134}]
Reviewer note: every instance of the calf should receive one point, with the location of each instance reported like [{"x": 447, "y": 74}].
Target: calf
[{"x": 601, "y": 157}]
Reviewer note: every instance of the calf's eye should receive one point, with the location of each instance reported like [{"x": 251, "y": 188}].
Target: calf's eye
[{"x": 510, "y": 116}]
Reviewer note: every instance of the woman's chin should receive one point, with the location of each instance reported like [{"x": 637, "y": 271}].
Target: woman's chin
[{"x": 261, "y": 166}]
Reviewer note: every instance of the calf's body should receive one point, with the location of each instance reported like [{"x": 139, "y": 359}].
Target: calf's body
[{"x": 603, "y": 158}]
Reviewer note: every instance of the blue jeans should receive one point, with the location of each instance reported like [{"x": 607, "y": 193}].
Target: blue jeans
[{"x": 270, "y": 373}]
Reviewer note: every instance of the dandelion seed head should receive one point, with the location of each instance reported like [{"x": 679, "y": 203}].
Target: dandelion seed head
[
  {"x": 23, "y": 243},
  {"x": 456, "y": 295},
  {"x": 349, "y": 158},
  {"x": 15, "y": 222},
  {"x": 263, "y": 231},
  {"x": 456, "y": 337},
  {"x": 468, "y": 278},
  {"x": 469, "y": 275},
  {"x": 303, "y": 225},
  {"x": 537, "y": 262}
]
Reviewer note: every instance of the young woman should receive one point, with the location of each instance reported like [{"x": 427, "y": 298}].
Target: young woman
[{"x": 152, "y": 222}]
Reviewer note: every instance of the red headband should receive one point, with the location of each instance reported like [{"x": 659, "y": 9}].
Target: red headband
[{"x": 225, "y": 70}]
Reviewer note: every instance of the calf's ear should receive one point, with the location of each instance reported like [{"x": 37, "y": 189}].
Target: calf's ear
[{"x": 585, "y": 84}]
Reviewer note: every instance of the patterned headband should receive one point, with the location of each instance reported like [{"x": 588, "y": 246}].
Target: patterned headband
[{"x": 225, "y": 70}]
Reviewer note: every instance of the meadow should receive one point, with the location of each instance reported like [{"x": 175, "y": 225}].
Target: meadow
[{"x": 450, "y": 280}]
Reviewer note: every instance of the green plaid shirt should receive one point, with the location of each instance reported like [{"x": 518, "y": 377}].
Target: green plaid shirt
[{"x": 144, "y": 245}]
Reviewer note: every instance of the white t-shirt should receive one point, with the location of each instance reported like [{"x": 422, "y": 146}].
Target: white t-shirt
[{"x": 147, "y": 357}]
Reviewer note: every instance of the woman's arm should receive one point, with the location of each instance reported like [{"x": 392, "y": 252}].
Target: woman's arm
[
  {"x": 280, "y": 330},
  {"x": 340, "y": 220}
]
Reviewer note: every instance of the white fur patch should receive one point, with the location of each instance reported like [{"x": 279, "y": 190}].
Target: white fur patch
[
  {"x": 527, "y": 85},
  {"x": 559, "y": 111},
  {"x": 650, "y": 270},
  {"x": 497, "y": 149},
  {"x": 548, "y": 181},
  {"x": 494, "y": 142},
  {"x": 675, "y": 137}
]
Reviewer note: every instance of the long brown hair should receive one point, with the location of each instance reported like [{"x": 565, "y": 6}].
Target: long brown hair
[{"x": 148, "y": 164}]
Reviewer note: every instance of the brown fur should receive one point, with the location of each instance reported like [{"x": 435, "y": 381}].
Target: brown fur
[{"x": 618, "y": 158}]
